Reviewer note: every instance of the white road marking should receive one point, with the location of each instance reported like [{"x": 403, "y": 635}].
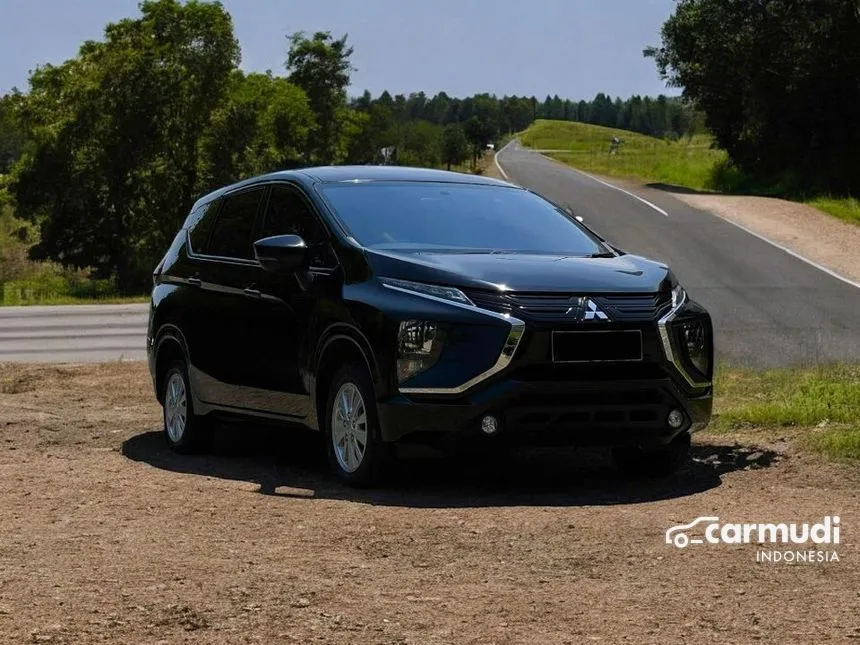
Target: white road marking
[
  {"x": 496, "y": 159},
  {"x": 626, "y": 192},
  {"x": 600, "y": 181}
]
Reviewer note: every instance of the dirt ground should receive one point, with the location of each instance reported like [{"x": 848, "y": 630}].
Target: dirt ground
[{"x": 105, "y": 536}]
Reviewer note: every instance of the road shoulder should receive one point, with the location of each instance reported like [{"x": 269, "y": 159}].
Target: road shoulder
[{"x": 806, "y": 231}]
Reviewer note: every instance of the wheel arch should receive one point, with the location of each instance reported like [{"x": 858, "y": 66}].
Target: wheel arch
[
  {"x": 170, "y": 346},
  {"x": 340, "y": 344}
]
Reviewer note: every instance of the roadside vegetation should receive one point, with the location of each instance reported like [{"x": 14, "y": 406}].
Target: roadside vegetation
[
  {"x": 822, "y": 404},
  {"x": 780, "y": 96},
  {"x": 689, "y": 162}
]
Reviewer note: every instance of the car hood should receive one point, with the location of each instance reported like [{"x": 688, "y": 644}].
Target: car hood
[{"x": 523, "y": 271}]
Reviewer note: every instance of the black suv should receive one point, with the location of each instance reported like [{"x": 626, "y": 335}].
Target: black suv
[{"x": 384, "y": 304}]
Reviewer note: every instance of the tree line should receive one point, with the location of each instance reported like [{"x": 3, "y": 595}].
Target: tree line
[{"x": 663, "y": 117}]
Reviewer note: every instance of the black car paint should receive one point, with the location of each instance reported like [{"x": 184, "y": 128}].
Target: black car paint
[{"x": 255, "y": 340}]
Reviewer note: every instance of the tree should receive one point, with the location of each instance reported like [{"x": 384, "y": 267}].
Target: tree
[
  {"x": 419, "y": 144},
  {"x": 479, "y": 132},
  {"x": 375, "y": 132},
  {"x": 12, "y": 134},
  {"x": 114, "y": 164},
  {"x": 262, "y": 125},
  {"x": 320, "y": 66},
  {"x": 781, "y": 94},
  {"x": 455, "y": 147}
]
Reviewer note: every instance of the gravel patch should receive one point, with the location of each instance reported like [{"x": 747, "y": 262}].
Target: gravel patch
[{"x": 807, "y": 231}]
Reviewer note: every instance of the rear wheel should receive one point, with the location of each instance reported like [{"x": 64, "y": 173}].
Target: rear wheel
[
  {"x": 653, "y": 462},
  {"x": 184, "y": 431},
  {"x": 356, "y": 452}
]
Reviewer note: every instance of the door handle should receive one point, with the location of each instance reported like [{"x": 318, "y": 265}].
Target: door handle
[
  {"x": 253, "y": 293},
  {"x": 195, "y": 282}
]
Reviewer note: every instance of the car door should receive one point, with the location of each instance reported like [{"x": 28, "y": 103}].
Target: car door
[
  {"x": 287, "y": 303},
  {"x": 226, "y": 272}
]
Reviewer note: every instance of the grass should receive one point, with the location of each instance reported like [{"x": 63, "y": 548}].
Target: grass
[
  {"x": 688, "y": 162},
  {"x": 822, "y": 403},
  {"x": 53, "y": 286},
  {"x": 72, "y": 300},
  {"x": 847, "y": 208}
]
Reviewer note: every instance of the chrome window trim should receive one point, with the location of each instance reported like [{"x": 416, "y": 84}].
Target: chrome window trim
[
  {"x": 666, "y": 340},
  {"x": 512, "y": 342}
]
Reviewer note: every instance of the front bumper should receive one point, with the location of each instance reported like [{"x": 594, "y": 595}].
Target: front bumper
[
  {"x": 586, "y": 413},
  {"x": 539, "y": 400}
]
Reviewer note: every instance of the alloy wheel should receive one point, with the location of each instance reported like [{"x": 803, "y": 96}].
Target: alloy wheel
[
  {"x": 175, "y": 407},
  {"x": 349, "y": 427}
]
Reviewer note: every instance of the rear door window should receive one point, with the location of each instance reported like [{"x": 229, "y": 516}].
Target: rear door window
[{"x": 232, "y": 235}]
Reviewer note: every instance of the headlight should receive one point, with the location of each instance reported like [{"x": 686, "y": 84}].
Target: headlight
[
  {"x": 678, "y": 295},
  {"x": 423, "y": 289},
  {"x": 419, "y": 343},
  {"x": 695, "y": 337}
]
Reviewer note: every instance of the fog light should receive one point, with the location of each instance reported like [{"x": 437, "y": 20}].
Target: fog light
[
  {"x": 676, "y": 419},
  {"x": 489, "y": 424}
]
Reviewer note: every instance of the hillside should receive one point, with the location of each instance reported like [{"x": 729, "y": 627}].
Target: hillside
[{"x": 689, "y": 162}]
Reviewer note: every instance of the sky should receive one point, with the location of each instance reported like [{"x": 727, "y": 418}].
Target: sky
[{"x": 573, "y": 48}]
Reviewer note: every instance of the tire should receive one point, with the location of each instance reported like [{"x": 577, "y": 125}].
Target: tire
[
  {"x": 356, "y": 453},
  {"x": 653, "y": 462},
  {"x": 185, "y": 432}
]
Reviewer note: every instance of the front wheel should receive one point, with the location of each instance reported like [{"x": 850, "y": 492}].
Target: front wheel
[
  {"x": 184, "y": 431},
  {"x": 653, "y": 462},
  {"x": 356, "y": 452}
]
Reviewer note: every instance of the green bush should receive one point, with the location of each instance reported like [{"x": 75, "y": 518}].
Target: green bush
[{"x": 52, "y": 287}]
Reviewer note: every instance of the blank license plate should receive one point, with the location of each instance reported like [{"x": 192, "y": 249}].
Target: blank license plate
[{"x": 590, "y": 346}]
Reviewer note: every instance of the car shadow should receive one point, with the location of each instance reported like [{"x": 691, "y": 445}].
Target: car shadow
[
  {"x": 683, "y": 190},
  {"x": 292, "y": 464}
]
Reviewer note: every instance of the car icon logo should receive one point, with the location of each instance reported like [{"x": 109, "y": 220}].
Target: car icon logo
[
  {"x": 585, "y": 309},
  {"x": 676, "y": 535},
  {"x": 591, "y": 311}
]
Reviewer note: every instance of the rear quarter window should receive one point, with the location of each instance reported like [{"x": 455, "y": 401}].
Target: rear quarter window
[{"x": 200, "y": 225}]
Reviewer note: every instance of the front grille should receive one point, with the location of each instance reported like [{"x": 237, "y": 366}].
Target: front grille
[{"x": 552, "y": 307}]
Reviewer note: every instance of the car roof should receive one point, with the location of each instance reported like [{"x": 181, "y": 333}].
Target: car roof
[
  {"x": 392, "y": 173},
  {"x": 331, "y": 174}
]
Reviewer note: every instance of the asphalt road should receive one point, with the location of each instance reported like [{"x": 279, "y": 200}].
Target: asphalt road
[
  {"x": 73, "y": 333},
  {"x": 769, "y": 308}
]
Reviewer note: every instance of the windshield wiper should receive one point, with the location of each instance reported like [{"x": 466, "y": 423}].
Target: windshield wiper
[{"x": 604, "y": 254}]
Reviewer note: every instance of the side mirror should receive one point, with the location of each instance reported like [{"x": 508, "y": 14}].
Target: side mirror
[{"x": 281, "y": 253}]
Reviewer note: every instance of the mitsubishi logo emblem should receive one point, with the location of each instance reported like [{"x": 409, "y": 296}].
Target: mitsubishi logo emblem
[
  {"x": 586, "y": 309},
  {"x": 592, "y": 312}
]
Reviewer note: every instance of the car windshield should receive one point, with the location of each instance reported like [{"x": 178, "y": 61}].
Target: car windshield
[{"x": 457, "y": 217}]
